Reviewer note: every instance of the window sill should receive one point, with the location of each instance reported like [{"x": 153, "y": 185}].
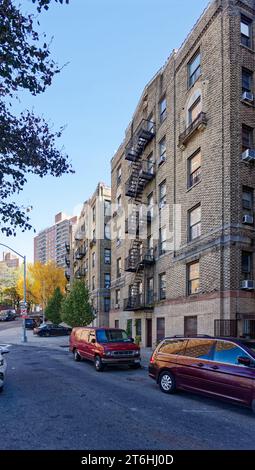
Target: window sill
[
  {"x": 160, "y": 163},
  {"x": 191, "y": 86},
  {"x": 162, "y": 121},
  {"x": 247, "y": 48},
  {"x": 194, "y": 240},
  {"x": 193, "y": 186},
  {"x": 247, "y": 103}
]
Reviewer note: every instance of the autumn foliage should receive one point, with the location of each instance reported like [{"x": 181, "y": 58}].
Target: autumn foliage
[{"x": 42, "y": 280}]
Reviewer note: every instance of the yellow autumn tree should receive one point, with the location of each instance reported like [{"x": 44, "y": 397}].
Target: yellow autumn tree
[{"x": 42, "y": 280}]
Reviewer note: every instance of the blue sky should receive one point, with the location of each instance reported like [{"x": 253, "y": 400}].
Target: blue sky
[{"x": 112, "y": 49}]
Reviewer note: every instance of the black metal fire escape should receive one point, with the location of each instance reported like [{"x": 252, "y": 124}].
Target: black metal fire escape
[{"x": 141, "y": 172}]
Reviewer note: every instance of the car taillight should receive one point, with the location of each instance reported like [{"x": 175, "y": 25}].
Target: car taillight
[{"x": 152, "y": 359}]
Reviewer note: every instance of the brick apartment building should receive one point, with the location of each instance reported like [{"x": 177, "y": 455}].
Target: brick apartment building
[
  {"x": 188, "y": 156},
  {"x": 88, "y": 253}
]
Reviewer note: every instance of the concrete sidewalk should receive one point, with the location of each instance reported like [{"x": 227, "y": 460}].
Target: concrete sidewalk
[{"x": 15, "y": 336}]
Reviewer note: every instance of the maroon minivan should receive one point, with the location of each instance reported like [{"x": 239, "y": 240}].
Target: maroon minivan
[
  {"x": 218, "y": 367},
  {"x": 104, "y": 346}
]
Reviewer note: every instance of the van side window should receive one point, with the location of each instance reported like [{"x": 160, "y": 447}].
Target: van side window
[
  {"x": 228, "y": 353},
  {"x": 92, "y": 336},
  {"x": 201, "y": 349},
  {"x": 173, "y": 346},
  {"x": 78, "y": 334}
]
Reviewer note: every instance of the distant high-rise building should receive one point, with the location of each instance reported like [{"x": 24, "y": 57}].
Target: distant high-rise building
[
  {"x": 10, "y": 260},
  {"x": 49, "y": 244}
]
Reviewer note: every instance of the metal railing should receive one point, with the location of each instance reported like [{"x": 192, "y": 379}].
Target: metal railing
[
  {"x": 138, "y": 302},
  {"x": 143, "y": 134}
]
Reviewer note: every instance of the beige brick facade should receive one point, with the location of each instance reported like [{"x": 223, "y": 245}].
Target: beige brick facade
[
  {"x": 203, "y": 113},
  {"x": 89, "y": 252}
]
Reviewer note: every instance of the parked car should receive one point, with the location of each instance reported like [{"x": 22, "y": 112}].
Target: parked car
[
  {"x": 8, "y": 315},
  {"x": 3, "y": 365},
  {"x": 218, "y": 367},
  {"x": 49, "y": 329},
  {"x": 30, "y": 323},
  {"x": 104, "y": 346}
]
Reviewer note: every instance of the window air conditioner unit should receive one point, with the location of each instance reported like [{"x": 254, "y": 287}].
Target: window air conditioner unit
[
  {"x": 248, "y": 155},
  {"x": 248, "y": 285},
  {"x": 248, "y": 219},
  {"x": 247, "y": 96}
]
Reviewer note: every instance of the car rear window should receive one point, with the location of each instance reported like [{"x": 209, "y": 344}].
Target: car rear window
[{"x": 172, "y": 346}]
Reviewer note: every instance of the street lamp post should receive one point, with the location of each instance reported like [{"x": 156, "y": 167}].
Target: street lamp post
[{"x": 24, "y": 333}]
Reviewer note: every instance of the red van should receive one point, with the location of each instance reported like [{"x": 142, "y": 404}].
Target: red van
[{"x": 104, "y": 346}]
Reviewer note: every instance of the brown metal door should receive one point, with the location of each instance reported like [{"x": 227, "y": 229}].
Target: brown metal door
[{"x": 190, "y": 326}]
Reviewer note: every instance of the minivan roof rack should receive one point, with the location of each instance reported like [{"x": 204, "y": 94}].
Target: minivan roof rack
[{"x": 190, "y": 336}]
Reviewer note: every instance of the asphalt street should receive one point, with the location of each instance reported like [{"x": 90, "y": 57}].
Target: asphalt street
[{"x": 51, "y": 402}]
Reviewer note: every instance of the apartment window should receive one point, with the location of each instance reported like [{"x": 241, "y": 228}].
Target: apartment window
[
  {"x": 117, "y": 298},
  {"x": 247, "y": 198},
  {"x": 162, "y": 286},
  {"x": 162, "y": 194},
  {"x": 246, "y": 262},
  {"x": 107, "y": 304},
  {"x": 129, "y": 327},
  {"x": 162, "y": 240},
  {"x": 93, "y": 259},
  {"x": 94, "y": 235},
  {"x": 150, "y": 124},
  {"x": 246, "y": 31},
  {"x": 116, "y": 323},
  {"x": 150, "y": 164},
  {"x": 162, "y": 109},
  {"x": 194, "y": 169},
  {"x": 94, "y": 213},
  {"x": 118, "y": 175},
  {"x": 194, "y": 69},
  {"x": 138, "y": 327},
  {"x": 107, "y": 256},
  {"x": 195, "y": 223},
  {"x": 162, "y": 150},
  {"x": 193, "y": 278},
  {"x": 119, "y": 202},
  {"x": 107, "y": 231},
  {"x": 119, "y": 267},
  {"x": 150, "y": 290},
  {"x": 150, "y": 245},
  {"x": 150, "y": 204},
  {"x": 195, "y": 110},
  {"x": 246, "y": 81},
  {"x": 247, "y": 137},
  {"x": 93, "y": 283},
  {"x": 107, "y": 280},
  {"x": 118, "y": 240},
  {"x": 107, "y": 208}
]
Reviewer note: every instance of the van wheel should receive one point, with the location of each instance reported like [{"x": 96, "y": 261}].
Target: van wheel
[
  {"x": 76, "y": 356},
  {"x": 98, "y": 364},
  {"x": 167, "y": 382}
]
